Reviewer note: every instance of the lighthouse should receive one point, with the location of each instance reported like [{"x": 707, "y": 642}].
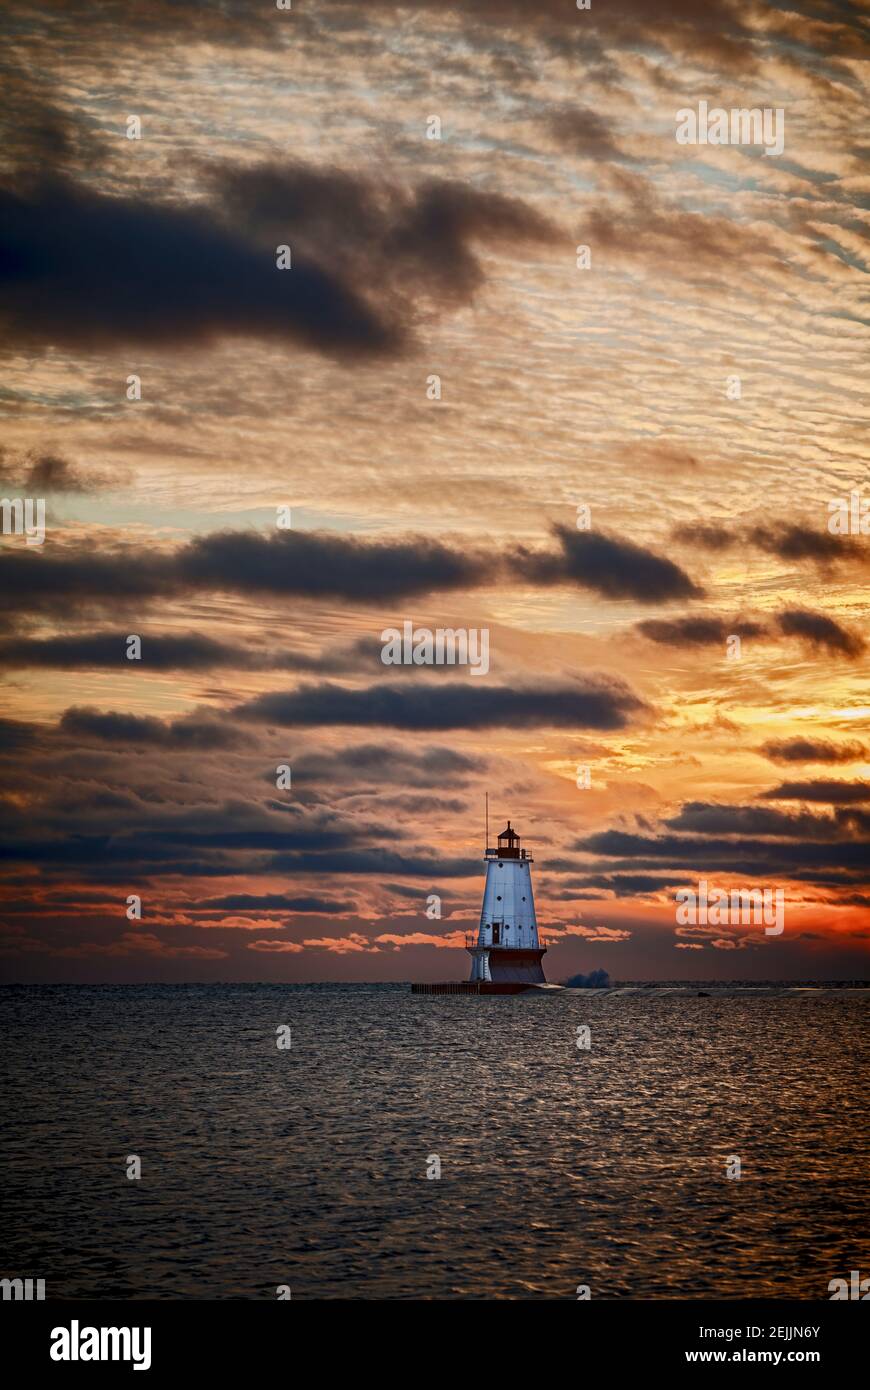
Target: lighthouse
[{"x": 506, "y": 952}]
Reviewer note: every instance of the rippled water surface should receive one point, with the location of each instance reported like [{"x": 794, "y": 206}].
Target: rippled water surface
[{"x": 308, "y": 1167}]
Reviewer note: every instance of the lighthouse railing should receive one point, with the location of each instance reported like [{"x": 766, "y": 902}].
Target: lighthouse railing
[{"x": 471, "y": 944}]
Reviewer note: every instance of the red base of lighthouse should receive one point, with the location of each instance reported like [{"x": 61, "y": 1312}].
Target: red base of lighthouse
[
  {"x": 513, "y": 966},
  {"x": 477, "y": 987},
  {"x": 513, "y": 971}
]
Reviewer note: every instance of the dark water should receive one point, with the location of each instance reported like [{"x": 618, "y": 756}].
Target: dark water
[{"x": 308, "y": 1167}]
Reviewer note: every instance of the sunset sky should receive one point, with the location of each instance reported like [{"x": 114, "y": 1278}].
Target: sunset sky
[{"x": 310, "y": 388}]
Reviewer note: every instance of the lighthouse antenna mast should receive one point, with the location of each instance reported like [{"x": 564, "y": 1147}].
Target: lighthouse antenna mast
[{"x": 486, "y": 828}]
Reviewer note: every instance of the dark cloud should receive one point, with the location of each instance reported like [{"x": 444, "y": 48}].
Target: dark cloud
[
  {"x": 795, "y": 542},
  {"x": 61, "y": 579},
  {"x": 632, "y": 220},
  {"x": 37, "y": 474},
  {"x": 192, "y": 731},
  {"x": 49, "y": 473},
  {"x": 788, "y": 541},
  {"x": 713, "y": 29},
  {"x": 815, "y": 630},
  {"x": 610, "y": 567},
  {"x": 149, "y": 23},
  {"x": 320, "y": 565},
  {"x": 132, "y": 271},
  {"x": 102, "y": 859},
  {"x": 711, "y": 819},
  {"x": 583, "y": 132},
  {"x": 14, "y": 735},
  {"x": 36, "y": 132},
  {"x": 324, "y": 565},
  {"x": 172, "y": 273},
  {"x": 409, "y": 805},
  {"x": 290, "y": 563},
  {"x": 189, "y": 651},
  {"x": 375, "y": 861},
  {"x": 234, "y": 836},
  {"x": 825, "y": 857},
  {"x": 623, "y": 885},
  {"x": 697, "y": 632},
  {"x": 386, "y": 764},
  {"x": 596, "y": 704},
  {"x": 833, "y": 793},
  {"x": 813, "y": 750},
  {"x": 414, "y": 894},
  {"x": 414, "y": 242},
  {"x": 710, "y": 537},
  {"x": 820, "y": 632},
  {"x": 275, "y": 902}
]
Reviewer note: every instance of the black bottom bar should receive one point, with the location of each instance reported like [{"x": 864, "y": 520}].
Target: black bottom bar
[{"x": 267, "y": 1340}]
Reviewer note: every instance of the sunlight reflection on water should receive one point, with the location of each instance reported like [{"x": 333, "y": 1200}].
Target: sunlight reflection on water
[{"x": 308, "y": 1167}]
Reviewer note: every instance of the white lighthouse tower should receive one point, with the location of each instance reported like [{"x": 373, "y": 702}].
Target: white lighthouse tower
[{"x": 506, "y": 954}]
